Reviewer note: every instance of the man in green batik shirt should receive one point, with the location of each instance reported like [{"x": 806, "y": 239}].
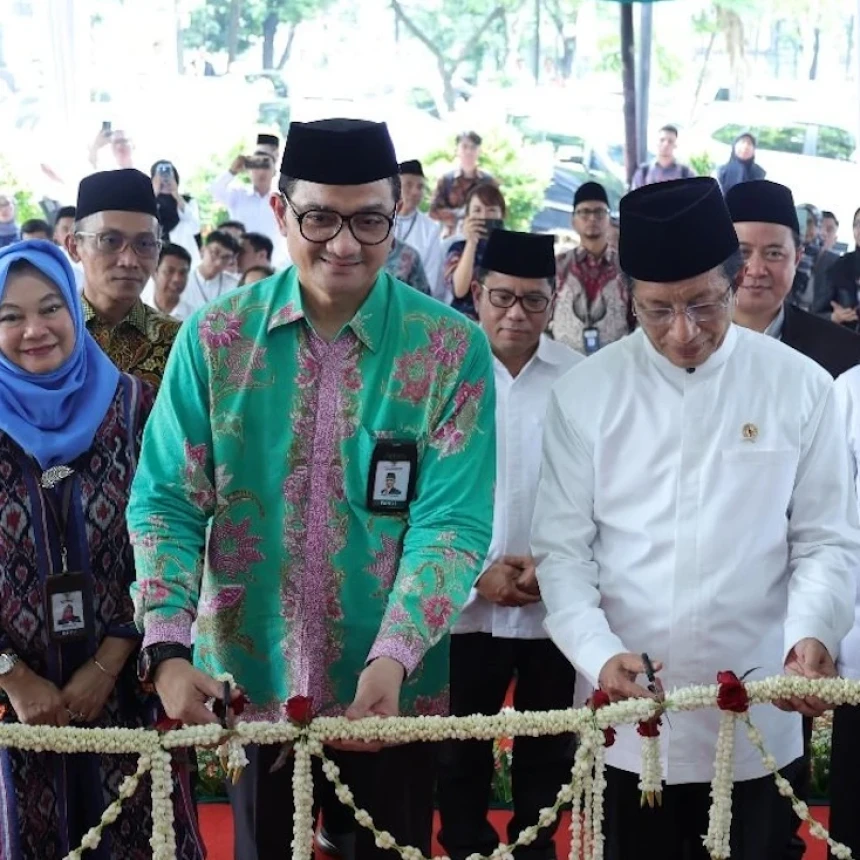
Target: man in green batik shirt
[{"x": 284, "y": 408}]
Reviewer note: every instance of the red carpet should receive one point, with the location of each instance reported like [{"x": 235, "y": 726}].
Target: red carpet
[{"x": 217, "y": 823}]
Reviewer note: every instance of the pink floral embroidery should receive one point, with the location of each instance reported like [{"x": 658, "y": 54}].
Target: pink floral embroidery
[
  {"x": 197, "y": 484},
  {"x": 448, "y": 439},
  {"x": 219, "y": 329},
  {"x": 232, "y": 550},
  {"x": 414, "y": 371},
  {"x": 384, "y": 566},
  {"x": 448, "y": 345},
  {"x": 289, "y": 313},
  {"x": 468, "y": 392},
  {"x": 433, "y": 706},
  {"x": 221, "y": 620},
  {"x": 152, "y": 590},
  {"x": 227, "y": 597},
  {"x": 437, "y": 611}
]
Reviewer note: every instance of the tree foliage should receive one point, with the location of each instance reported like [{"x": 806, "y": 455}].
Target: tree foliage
[{"x": 232, "y": 26}]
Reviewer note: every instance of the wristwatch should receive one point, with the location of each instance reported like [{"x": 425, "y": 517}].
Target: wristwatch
[
  {"x": 153, "y": 656},
  {"x": 8, "y": 661}
]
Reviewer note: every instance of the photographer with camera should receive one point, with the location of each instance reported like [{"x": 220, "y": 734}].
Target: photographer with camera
[
  {"x": 251, "y": 205},
  {"x": 178, "y": 214}
]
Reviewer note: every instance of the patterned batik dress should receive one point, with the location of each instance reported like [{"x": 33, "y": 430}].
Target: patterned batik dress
[{"x": 49, "y": 801}]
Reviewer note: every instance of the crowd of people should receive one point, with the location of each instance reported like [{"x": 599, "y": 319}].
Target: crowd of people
[{"x": 397, "y": 462}]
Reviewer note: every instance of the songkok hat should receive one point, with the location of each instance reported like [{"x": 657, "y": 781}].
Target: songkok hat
[
  {"x": 268, "y": 140},
  {"x": 520, "y": 255},
  {"x": 763, "y": 201},
  {"x": 590, "y": 192},
  {"x": 411, "y": 168},
  {"x": 339, "y": 152},
  {"x": 126, "y": 190},
  {"x": 671, "y": 231}
]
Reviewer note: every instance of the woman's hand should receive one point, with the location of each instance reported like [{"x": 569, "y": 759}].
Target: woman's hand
[
  {"x": 87, "y": 692},
  {"x": 474, "y": 229},
  {"x": 36, "y": 701}
]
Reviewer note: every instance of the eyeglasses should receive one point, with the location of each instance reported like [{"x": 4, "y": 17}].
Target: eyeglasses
[
  {"x": 597, "y": 214},
  {"x": 322, "y": 225},
  {"x": 531, "y": 303},
  {"x": 702, "y": 314},
  {"x": 145, "y": 245}
]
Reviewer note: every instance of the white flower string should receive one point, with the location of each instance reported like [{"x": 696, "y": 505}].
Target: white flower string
[
  {"x": 837, "y": 849},
  {"x": 720, "y": 818},
  {"x": 127, "y": 788},
  {"x": 303, "y": 799},
  {"x": 588, "y": 767},
  {"x": 651, "y": 775}
]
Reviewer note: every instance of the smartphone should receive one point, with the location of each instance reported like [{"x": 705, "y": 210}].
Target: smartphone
[
  {"x": 257, "y": 161},
  {"x": 107, "y": 130},
  {"x": 491, "y": 224}
]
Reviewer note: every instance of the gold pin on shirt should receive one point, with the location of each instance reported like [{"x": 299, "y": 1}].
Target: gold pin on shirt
[{"x": 749, "y": 432}]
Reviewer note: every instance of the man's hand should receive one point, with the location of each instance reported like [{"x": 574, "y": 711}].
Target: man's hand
[
  {"x": 87, "y": 692},
  {"x": 377, "y": 695},
  {"x": 808, "y": 659},
  {"x": 185, "y": 690},
  {"x": 618, "y": 678},
  {"x": 527, "y": 580},
  {"x": 499, "y": 583},
  {"x": 841, "y": 314},
  {"x": 36, "y": 701},
  {"x": 238, "y": 165}
]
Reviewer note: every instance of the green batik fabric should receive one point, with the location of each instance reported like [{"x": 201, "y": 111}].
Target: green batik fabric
[{"x": 266, "y": 432}]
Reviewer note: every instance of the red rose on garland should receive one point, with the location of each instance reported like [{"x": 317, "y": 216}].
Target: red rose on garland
[
  {"x": 300, "y": 710},
  {"x": 650, "y": 728},
  {"x": 732, "y": 695},
  {"x": 600, "y": 699}
]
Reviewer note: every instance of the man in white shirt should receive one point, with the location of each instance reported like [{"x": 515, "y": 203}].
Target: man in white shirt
[
  {"x": 500, "y": 634},
  {"x": 414, "y": 228},
  {"x": 211, "y": 278},
  {"x": 252, "y": 205},
  {"x": 845, "y": 741},
  {"x": 695, "y": 504},
  {"x": 64, "y": 225}
]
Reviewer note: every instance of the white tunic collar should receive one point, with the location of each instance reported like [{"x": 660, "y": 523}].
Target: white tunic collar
[{"x": 680, "y": 376}]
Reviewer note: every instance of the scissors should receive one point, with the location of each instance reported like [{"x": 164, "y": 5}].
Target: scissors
[
  {"x": 652, "y": 682},
  {"x": 222, "y": 706}
]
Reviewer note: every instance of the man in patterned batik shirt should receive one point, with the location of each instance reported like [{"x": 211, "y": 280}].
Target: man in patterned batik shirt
[
  {"x": 593, "y": 306},
  {"x": 404, "y": 263},
  {"x": 117, "y": 239},
  {"x": 285, "y": 408}
]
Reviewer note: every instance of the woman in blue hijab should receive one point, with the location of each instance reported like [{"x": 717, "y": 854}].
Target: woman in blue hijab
[{"x": 70, "y": 430}]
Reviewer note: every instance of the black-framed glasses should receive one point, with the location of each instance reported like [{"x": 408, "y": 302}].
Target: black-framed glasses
[
  {"x": 585, "y": 212},
  {"x": 145, "y": 245},
  {"x": 322, "y": 225},
  {"x": 701, "y": 314},
  {"x": 531, "y": 303}
]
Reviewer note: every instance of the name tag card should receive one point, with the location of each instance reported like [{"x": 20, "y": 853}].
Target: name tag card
[{"x": 392, "y": 476}]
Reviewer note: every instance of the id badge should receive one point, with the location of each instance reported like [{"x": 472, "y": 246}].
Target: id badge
[
  {"x": 393, "y": 472},
  {"x": 591, "y": 340},
  {"x": 65, "y": 608}
]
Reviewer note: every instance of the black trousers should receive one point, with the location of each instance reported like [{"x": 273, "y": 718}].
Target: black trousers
[
  {"x": 762, "y": 824},
  {"x": 394, "y": 785},
  {"x": 800, "y": 783},
  {"x": 845, "y": 777},
  {"x": 482, "y": 668}
]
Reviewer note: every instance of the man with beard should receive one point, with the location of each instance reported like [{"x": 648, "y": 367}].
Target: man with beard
[{"x": 593, "y": 306}]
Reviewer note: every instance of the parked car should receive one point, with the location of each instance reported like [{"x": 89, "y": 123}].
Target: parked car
[{"x": 812, "y": 152}]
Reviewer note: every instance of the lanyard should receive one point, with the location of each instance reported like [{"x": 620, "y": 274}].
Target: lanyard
[{"x": 60, "y": 512}]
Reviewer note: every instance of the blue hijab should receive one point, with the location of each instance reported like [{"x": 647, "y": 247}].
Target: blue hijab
[{"x": 54, "y": 416}]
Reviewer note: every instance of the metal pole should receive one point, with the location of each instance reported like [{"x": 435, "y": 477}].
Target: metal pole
[
  {"x": 857, "y": 61},
  {"x": 643, "y": 80},
  {"x": 628, "y": 66}
]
